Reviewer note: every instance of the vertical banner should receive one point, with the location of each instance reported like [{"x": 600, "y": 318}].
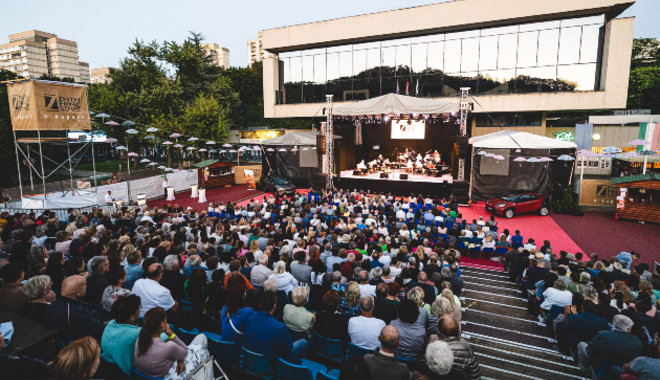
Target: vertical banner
[
  {"x": 649, "y": 132},
  {"x": 584, "y": 136},
  {"x": 48, "y": 106},
  {"x": 249, "y": 178}
]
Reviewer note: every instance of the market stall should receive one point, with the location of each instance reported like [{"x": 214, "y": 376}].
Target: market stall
[
  {"x": 638, "y": 197},
  {"x": 214, "y": 173}
]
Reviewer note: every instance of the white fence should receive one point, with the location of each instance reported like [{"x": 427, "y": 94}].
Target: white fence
[{"x": 151, "y": 186}]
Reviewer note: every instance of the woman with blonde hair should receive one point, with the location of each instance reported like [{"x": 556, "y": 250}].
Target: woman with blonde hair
[
  {"x": 296, "y": 318},
  {"x": 416, "y": 295},
  {"x": 451, "y": 307},
  {"x": 285, "y": 281},
  {"x": 349, "y": 304},
  {"x": 623, "y": 288},
  {"x": 79, "y": 360}
]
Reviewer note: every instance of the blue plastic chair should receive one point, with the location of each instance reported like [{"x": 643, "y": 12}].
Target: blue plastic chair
[
  {"x": 256, "y": 364},
  {"x": 501, "y": 250},
  {"x": 185, "y": 305},
  {"x": 488, "y": 250},
  {"x": 332, "y": 349},
  {"x": 187, "y": 336},
  {"x": 290, "y": 371},
  {"x": 225, "y": 353},
  {"x": 330, "y": 375},
  {"x": 353, "y": 350},
  {"x": 135, "y": 374}
]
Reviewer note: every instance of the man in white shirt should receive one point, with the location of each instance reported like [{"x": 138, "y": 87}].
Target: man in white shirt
[
  {"x": 151, "y": 293},
  {"x": 260, "y": 273},
  {"x": 166, "y": 184},
  {"x": 365, "y": 288},
  {"x": 109, "y": 200},
  {"x": 365, "y": 329}
]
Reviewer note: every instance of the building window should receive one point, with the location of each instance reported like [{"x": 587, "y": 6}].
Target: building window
[
  {"x": 550, "y": 56},
  {"x": 509, "y": 119}
]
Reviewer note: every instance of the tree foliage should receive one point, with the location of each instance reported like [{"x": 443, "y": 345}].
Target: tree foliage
[{"x": 644, "y": 84}]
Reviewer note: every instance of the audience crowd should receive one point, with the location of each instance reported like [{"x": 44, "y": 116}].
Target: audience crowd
[{"x": 379, "y": 273}]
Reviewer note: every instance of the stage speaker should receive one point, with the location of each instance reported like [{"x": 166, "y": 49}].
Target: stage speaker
[
  {"x": 320, "y": 143},
  {"x": 403, "y": 176},
  {"x": 384, "y": 175},
  {"x": 357, "y": 172}
]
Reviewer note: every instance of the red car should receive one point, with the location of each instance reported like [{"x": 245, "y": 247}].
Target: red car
[{"x": 517, "y": 204}]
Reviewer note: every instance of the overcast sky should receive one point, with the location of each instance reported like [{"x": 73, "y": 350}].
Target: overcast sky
[{"x": 105, "y": 29}]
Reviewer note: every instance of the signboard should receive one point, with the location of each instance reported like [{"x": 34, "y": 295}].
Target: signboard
[
  {"x": 257, "y": 137},
  {"x": 80, "y": 136},
  {"x": 48, "y": 106},
  {"x": 408, "y": 129},
  {"x": 597, "y": 192}
]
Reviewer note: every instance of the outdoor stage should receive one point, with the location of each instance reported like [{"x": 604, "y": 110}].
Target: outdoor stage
[{"x": 442, "y": 186}]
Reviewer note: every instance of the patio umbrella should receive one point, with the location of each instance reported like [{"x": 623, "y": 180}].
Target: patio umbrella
[
  {"x": 520, "y": 159},
  {"x": 305, "y": 148},
  {"x": 210, "y": 142},
  {"x": 204, "y": 150},
  {"x": 533, "y": 159},
  {"x": 565, "y": 157},
  {"x": 169, "y": 169},
  {"x": 128, "y": 123},
  {"x": 111, "y": 123},
  {"x": 498, "y": 157},
  {"x": 150, "y": 137},
  {"x": 223, "y": 151},
  {"x": 152, "y": 129},
  {"x": 132, "y": 131},
  {"x": 161, "y": 167},
  {"x": 121, "y": 147},
  {"x": 133, "y": 154},
  {"x": 282, "y": 150},
  {"x": 193, "y": 139},
  {"x": 167, "y": 143},
  {"x": 92, "y": 113},
  {"x": 295, "y": 149},
  {"x": 270, "y": 150},
  {"x": 145, "y": 160},
  {"x": 177, "y": 146},
  {"x": 232, "y": 150},
  {"x": 152, "y": 164},
  {"x": 226, "y": 145},
  {"x": 646, "y": 154},
  {"x": 482, "y": 153},
  {"x": 489, "y": 155},
  {"x": 612, "y": 150},
  {"x": 190, "y": 148},
  {"x": 638, "y": 142},
  {"x": 175, "y": 135},
  {"x": 256, "y": 147},
  {"x": 102, "y": 115},
  {"x": 545, "y": 159},
  {"x": 111, "y": 140}
]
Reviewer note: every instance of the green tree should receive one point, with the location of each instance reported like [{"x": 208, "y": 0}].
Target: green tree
[
  {"x": 644, "y": 88},
  {"x": 645, "y": 52},
  {"x": 7, "y": 155}
]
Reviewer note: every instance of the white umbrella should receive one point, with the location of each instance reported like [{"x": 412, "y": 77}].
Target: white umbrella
[
  {"x": 203, "y": 150},
  {"x": 533, "y": 159},
  {"x": 111, "y": 140},
  {"x": 482, "y": 153},
  {"x": 152, "y": 164},
  {"x": 133, "y": 154},
  {"x": 121, "y": 147},
  {"x": 520, "y": 159},
  {"x": 305, "y": 148},
  {"x": 256, "y": 147},
  {"x": 169, "y": 169},
  {"x": 152, "y": 129},
  {"x": 566, "y": 157},
  {"x": 177, "y": 146},
  {"x": 190, "y": 148},
  {"x": 545, "y": 159},
  {"x": 210, "y": 142},
  {"x": 295, "y": 149},
  {"x": 145, "y": 160},
  {"x": 498, "y": 157},
  {"x": 193, "y": 139},
  {"x": 223, "y": 151},
  {"x": 162, "y": 167},
  {"x": 282, "y": 150},
  {"x": 226, "y": 145},
  {"x": 132, "y": 131},
  {"x": 270, "y": 150},
  {"x": 232, "y": 150},
  {"x": 175, "y": 135},
  {"x": 167, "y": 143}
]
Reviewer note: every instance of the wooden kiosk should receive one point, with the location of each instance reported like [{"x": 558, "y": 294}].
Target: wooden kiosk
[
  {"x": 638, "y": 197},
  {"x": 214, "y": 173}
]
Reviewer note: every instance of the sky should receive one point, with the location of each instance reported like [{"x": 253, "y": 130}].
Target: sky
[{"x": 105, "y": 29}]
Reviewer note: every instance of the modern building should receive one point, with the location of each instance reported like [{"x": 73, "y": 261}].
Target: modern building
[
  {"x": 219, "y": 55},
  {"x": 33, "y": 53},
  {"x": 520, "y": 59},
  {"x": 100, "y": 75},
  {"x": 256, "y": 51}
]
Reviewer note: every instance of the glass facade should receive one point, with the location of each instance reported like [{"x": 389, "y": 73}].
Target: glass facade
[{"x": 549, "y": 56}]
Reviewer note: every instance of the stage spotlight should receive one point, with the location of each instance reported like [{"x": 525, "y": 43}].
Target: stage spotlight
[{"x": 386, "y": 119}]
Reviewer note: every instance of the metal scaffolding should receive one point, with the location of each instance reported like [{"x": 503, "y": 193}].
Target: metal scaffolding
[{"x": 329, "y": 144}]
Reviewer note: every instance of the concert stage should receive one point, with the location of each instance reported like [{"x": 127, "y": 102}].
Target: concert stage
[{"x": 436, "y": 187}]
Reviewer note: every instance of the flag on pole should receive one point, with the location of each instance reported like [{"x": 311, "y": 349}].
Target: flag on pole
[
  {"x": 407, "y": 88},
  {"x": 397, "y": 86},
  {"x": 417, "y": 88}
]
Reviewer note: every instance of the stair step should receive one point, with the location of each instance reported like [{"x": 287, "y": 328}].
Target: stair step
[
  {"x": 524, "y": 337},
  {"x": 525, "y": 369},
  {"x": 494, "y": 296}
]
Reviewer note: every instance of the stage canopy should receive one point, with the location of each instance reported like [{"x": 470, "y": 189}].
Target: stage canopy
[
  {"x": 395, "y": 104},
  {"x": 508, "y": 139},
  {"x": 293, "y": 139}
]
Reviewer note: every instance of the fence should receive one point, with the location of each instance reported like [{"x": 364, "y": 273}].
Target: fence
[{"x": 62, "y": 214}]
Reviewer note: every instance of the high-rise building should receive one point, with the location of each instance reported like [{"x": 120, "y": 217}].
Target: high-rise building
[
  {"x": 100, "y": 75},
  {"x": 33, "y": 53},
  {"x": 255, "y": 50},
  {"x": 219, "y": 55}
]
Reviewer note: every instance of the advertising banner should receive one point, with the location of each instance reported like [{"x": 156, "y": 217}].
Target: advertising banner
[{"x": 48, "y": 106}]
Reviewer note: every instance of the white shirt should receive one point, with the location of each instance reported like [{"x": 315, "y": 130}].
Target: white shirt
[
  {"x": 364, "y": 331},
  {"x": 367, "y": 290},
  {"x": 166, "y": 184},
  {"x": 554, "y": 297},
  {"x": 108, "y": 198},
  {"x": 152, "y": 294}
]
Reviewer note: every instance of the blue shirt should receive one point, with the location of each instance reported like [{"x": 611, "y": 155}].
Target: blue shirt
[
  {"x": 238, "y": 320},
  {"x": 266, "y": 335},
  {"x": 118, "y": 344},
  {"x": 133, "y": 273}
]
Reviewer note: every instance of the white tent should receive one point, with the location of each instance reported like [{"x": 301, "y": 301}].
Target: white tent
[
  {"x": 508, "y": 139},
  {"x": 393, "y": 104},
  {"x": 295, "y": 138}
]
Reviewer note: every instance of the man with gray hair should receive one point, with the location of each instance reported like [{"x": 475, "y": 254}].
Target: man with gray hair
[
  {"x": 365, "y": 329},
  {"x": 173, "y": 279},
  {"x": 439, "y": 357},
  {"x": 382, "y": 364},
  {"x": 608, "y": 347},
  {"x": 260, "y": 273},
  {"x": 97, "y": 282}
]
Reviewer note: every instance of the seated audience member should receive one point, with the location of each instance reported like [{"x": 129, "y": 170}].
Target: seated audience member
[
  {"x": 194, "y": 287},
  {"x": 382, "y": 364},
  {"x": 556, "y": 295},
  {"x": 584, "y": 326},
  {"x": 644, "y": 367},
  {"x": 604, "y": 308},
  {"x": 216, "y": 296},
  {"x": 98, "y": 281},
  {"x": 152, "y": 293},
  {"x": 116, "y": 277},
  {"x": 285, "y": 281},
  {"x": 383, "y": 308},
  {"x": 55, "y": 269},
  {"x": 79, "y": 360},
  {"x": 69, "y": 315},
  {"x": 412, "y": 335},
  {"x": 464, "y": 359},
  {"x": 12, "y": 297},
  {"x": 366, "y": 289},
  {"x": 261, "y": 272},
  {"x": 234, "y": 314},
  {"x": 268, "y": 336},
  {"x": 607, "y": 348},
  {"x": 416, "y": 295},
  {"x": 440, "y": 360},
  {"x": 38, "y": 292},
  {"x": 235, "y": 267},
  {"x": 329, "y": 322},
  {"x": 300, "y": 270},
  {"x": 172, "y": 278},
  {"x": 365, "y": 329},
  {"x": 349, "y": 303},
  {"x": 119, "y": 337},
  {"x": 296, "y": 318},
  {"x": 133, "y": 269},
  {"x": 159, "y": 355}
]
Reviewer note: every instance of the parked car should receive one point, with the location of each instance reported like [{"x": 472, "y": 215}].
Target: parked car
[
  {"x": 280, "y": 185},
  {"x": 513, "y": 204}
]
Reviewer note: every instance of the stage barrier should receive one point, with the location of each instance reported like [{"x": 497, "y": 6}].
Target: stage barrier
[{"x": 151, "y": 186}]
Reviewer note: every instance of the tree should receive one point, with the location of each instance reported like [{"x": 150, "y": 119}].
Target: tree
[
  {"x": 7, "y": 155},
  {"x": 645, "y": 52},
  {"x": 644, "y": 88}
]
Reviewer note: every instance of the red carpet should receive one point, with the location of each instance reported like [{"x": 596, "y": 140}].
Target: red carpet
[
  {"x": 534, "y": 226},
  {"x": 598, "y": 232},
  {"x": 222, "y": 194},
  {"x": 481, "y": 264}
]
